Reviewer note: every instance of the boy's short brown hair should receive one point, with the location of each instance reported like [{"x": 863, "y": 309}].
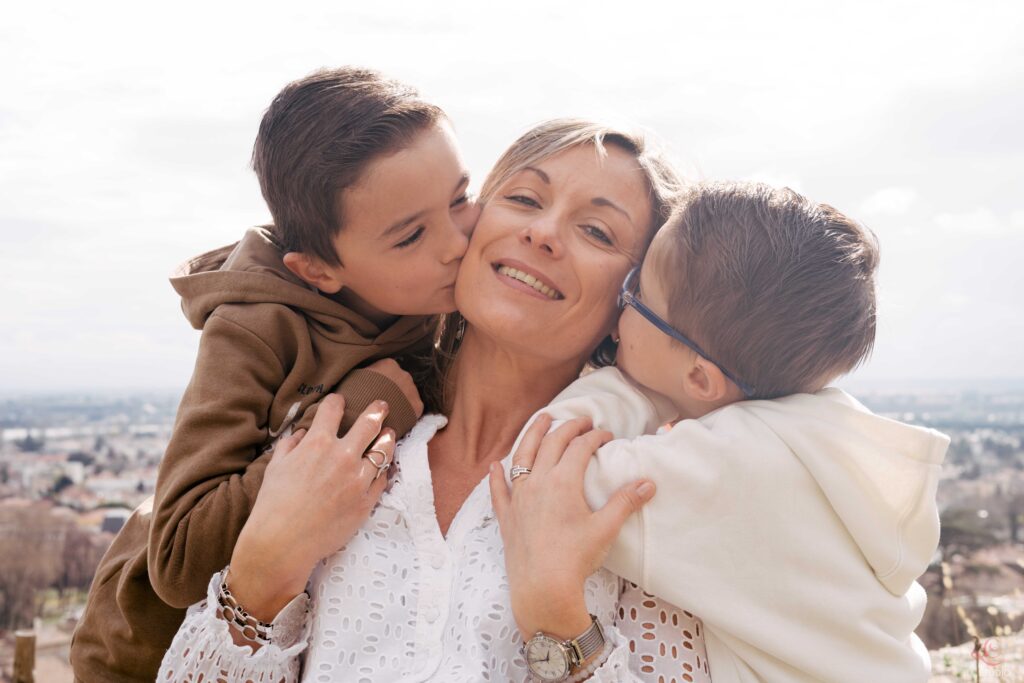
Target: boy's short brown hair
[
  {"x": 316, "y": 139},
  {"x": 778, "y": 289}
]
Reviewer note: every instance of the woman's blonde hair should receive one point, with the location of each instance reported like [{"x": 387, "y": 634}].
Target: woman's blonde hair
[{"x": 534, "y": 146}]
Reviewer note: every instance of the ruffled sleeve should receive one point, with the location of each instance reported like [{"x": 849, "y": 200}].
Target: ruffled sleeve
[{"x": 203, "y": 649}]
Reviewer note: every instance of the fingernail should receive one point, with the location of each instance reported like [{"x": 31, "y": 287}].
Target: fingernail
[
  {"x": 645, "y": 490},
  {"x": 382, "y": 406}
]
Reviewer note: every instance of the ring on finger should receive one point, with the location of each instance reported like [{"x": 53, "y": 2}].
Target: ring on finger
[
  {"x": 384, "y": 461},
  {"x": 381, "y": 470},
  {"x": 383, "y": 466},
  {"x": 518, "y": 471}
]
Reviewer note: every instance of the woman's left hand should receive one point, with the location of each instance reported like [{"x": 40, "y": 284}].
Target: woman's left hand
[{"x": 553, "y": 541}]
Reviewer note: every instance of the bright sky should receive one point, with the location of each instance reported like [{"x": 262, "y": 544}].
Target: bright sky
[{"x": 125, "y": 133}]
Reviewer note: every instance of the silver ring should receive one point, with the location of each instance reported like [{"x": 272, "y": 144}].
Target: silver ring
[
  {"x": 383, "y": 464},
  {"x": 518, "y": 471}
]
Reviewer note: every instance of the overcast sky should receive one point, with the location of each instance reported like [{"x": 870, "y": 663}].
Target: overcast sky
[{"x": 125, "y": 134}]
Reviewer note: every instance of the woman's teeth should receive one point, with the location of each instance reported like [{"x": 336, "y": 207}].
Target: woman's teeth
[{"x": 530, "y": 280}]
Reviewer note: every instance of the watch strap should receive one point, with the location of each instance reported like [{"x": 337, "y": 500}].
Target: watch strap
[{"x": 588, "y": 643}]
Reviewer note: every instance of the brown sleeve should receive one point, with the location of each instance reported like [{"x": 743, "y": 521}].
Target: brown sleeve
[
  {"x": 361, "y": 387},
  {"x": 210, "y": 473}
]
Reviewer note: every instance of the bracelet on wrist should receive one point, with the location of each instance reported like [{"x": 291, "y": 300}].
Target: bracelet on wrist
[{"x": 250, "y": 628}]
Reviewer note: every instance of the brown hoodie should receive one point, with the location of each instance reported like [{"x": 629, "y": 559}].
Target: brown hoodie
[{"x": 271, "y": 348}]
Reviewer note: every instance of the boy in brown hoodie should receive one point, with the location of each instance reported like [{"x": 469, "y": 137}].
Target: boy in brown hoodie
[{"x": 371, "y": 218}]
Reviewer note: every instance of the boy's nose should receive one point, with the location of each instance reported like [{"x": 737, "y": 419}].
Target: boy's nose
[{"x": 458, "y": 241}]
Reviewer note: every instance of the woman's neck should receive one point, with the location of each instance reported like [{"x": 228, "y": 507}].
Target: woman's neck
[{"x": 495, "y": 391}]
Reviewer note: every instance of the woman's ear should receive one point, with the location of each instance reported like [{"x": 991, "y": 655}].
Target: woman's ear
[
  {"x": 313, "y": 271},
  {"x": 705, "y": 382}
]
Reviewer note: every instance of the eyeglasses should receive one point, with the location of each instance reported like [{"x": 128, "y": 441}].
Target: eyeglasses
[{"x": 627, "y": 297}]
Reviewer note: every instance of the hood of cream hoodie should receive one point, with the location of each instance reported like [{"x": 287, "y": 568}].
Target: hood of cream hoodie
[{"x": 878, "y": 474}]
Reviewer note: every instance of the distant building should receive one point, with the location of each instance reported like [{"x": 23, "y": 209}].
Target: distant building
[{"x": 114, "y": 520}]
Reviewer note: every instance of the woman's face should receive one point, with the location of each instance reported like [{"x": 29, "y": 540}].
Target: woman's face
[{"x": 551, "y": 249}]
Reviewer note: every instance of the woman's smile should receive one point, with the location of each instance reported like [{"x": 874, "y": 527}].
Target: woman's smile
[{"x": 524, "y": 278}]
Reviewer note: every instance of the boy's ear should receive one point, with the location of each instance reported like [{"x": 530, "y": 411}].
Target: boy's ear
[
  {"x": 705, "y": 382},
  {"x": 313, "y": 271}
]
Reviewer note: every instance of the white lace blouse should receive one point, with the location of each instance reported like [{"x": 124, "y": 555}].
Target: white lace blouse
[{"x": 401, "y": 602}]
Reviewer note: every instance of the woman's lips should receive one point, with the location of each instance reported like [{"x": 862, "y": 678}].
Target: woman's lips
[{"x": 520, "y": 276}]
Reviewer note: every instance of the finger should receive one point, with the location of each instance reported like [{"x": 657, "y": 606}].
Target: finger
[
  {"x": 555, "y": 443},
  {"x": 328, "y": 416},
  {"x": 500, "y": 498},
  {"x": 582, "y": 449},
  {"x": 364, "y": 430},
  {"x": 623, "y": 503},
  {"x": 385, "y": 444},
  {"x": 377, "y": 487},
  {"x": 526, "y": 453},
  {"x": 288, "y": 443}
]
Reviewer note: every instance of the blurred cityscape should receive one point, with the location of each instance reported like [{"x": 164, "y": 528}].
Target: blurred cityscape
[{"x": 72, "y": 468}]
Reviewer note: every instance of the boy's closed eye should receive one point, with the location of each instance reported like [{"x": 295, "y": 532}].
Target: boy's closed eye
[{"x": 412, "y": 238}]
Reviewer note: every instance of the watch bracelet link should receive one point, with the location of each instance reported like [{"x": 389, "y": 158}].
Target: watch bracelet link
[
  {"x": 587, "y": 643},
  {"x": 585, "y": 672}
]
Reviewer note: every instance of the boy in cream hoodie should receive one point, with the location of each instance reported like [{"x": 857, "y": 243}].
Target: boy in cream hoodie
[{"x": 788, "y": 517}]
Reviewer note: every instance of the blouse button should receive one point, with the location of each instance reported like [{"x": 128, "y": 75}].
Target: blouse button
[
  {"x": 431, "y": 614},
  {"x": 437, "y": 562}
]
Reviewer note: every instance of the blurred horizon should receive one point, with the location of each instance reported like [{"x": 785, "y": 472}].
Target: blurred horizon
[{"x": 125, "y": 135}]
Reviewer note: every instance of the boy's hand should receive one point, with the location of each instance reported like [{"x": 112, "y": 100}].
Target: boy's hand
[{"x": 402, "y": 379}]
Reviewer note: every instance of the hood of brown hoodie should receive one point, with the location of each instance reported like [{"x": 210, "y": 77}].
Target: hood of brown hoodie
[{"x": 251, "y": 271}]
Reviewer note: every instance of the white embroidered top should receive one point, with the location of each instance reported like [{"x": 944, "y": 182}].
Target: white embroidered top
[{"x": 402, "y": 602}]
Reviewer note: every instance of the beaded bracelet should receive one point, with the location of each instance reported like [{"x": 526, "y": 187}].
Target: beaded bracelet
[{"x": 251, "y": 628}]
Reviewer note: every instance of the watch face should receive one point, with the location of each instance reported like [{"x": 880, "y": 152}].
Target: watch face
[{"x": 547, "y": 658}]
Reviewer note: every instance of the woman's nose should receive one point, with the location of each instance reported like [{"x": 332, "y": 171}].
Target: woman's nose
[{"x": 543, "y": 233}]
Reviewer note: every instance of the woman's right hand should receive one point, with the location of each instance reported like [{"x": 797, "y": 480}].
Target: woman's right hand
[{"x": 317, "y": 491}]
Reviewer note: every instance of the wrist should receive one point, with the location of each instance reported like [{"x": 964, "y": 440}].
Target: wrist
[
  {"x": 264, "y": 583},
  {"x": 562, "y": 619}
]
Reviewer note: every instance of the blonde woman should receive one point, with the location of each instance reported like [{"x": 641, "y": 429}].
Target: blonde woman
[{"x": 420, "y": 589}]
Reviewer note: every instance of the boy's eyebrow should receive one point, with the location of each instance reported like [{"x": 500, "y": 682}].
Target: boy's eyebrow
[{"x": 406, "y": 222}]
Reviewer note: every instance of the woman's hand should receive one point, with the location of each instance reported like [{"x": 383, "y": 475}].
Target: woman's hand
[
  {"x": 317, "y": 491},
  {"x": 553, "y": 541}
]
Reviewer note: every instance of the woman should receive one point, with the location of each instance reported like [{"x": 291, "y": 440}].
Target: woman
[{"x": 420, "y": 588}]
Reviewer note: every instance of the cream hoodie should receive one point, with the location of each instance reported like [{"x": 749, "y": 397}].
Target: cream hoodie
[{"x": 795, "y": 528}]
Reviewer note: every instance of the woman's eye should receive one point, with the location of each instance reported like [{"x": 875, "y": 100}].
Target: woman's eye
[
  {"x": 413, "y": 238},
  {"x": 524, "y": 200},
  {"x": 460, "y": 201},
  {"x": 597, "y": 233}
]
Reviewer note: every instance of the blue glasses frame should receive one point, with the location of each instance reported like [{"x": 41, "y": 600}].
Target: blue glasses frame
[{"x": 627, "y": 297}]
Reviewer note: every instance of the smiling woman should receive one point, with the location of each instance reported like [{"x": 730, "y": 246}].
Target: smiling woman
[{"x": 421, "y": 591}]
